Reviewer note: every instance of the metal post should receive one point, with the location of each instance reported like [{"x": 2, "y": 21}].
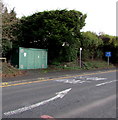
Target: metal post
[
  {"x": 108, "y": 60},
  {"x": 80, "y": 57}
]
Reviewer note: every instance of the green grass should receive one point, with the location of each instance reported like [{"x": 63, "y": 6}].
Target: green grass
[
  {"x": 88, "y": 65},
  {"x": 96, "y": 64}
]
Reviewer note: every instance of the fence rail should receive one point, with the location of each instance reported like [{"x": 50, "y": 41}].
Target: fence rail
[{"x": 3, "y": 59}]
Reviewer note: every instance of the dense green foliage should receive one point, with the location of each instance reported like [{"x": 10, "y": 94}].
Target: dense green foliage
[
  {"x": 110, "y": 44},
  {"x": 91, "y": 43},
  {"x": 58, "y": 31},
  {"x": 95, "y": 46}
]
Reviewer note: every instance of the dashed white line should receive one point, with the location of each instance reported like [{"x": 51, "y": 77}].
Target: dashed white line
[{"x": 105, "y": 83}]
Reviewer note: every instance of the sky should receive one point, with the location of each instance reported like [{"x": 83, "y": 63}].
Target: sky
[{"x": 101, "y": 14}]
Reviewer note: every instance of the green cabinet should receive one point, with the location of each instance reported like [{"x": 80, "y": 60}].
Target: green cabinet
[{"x": 30, "y": 58}]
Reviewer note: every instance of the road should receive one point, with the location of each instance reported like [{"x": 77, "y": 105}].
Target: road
[{"x": 85, "y": 95}]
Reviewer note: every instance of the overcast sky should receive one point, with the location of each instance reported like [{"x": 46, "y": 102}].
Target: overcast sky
[{"x": 101, "y": 14}]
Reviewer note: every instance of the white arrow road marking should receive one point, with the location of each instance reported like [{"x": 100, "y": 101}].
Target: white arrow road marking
[
  {"x": 105, "y": 83},
  {"x": 71, "y": 81},
  {"x": 23, "y": 109},
  {"x": 96, "y": 78},
  {"x": 80, "y": 79},
  {"x": 92, "y": 78}
]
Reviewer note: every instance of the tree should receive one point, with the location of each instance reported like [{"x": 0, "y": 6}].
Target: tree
[
  {"x": 109, "y": 40},
  {"x": 90, "y": 43},
  {"x": 110, "y": 43},
  {"x": 9, "y": 30},
  {"x": 50, "y": 29}
]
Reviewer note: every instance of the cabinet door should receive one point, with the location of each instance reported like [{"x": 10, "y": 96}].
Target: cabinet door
[
  {"x": 31, "y": 60},
  {"x": 23, "y": 54}
]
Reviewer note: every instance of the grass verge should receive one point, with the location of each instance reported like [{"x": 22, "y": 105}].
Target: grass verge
[
  {"x": 10, "y": 71},
  {"x": 86, "y": 65}
]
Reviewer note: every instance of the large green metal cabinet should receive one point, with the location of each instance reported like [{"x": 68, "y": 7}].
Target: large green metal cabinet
[{"x": 30, "y": 58}]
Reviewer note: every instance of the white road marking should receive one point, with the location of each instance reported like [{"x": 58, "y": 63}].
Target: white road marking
[
  {"x": 80, "y": 79},
  {"x": 71, "y": 81},
  {"x": 96, "y": 78},
  {"x": 105, "y": 83},
  {"x": 23, "y": 109},
  {"x": 92, "y": 78}
]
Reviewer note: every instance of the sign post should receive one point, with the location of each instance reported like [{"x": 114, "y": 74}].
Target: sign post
[
  {"x": 80, "y": 57},
  {"x": 108, "y": 54},
  {"x": 108, "y": 60}
]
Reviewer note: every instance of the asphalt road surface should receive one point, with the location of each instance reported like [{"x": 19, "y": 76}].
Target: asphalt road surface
[{"x": 85, "y": 95}]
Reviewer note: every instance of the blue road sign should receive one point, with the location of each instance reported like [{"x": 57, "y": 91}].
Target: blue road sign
[{"x": 108, "y": 54}]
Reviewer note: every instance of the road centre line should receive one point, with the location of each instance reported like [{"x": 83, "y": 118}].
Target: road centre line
[
  {"x": 38, "y": 81},
  {"x": 100, "y": 84}
]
